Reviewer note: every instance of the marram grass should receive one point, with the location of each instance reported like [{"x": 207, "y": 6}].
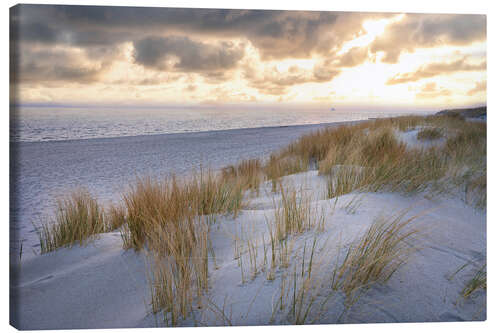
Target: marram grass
[{"x": 77, "y": 218}]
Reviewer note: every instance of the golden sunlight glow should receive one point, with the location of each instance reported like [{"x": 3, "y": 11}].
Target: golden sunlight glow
[
  {"x": 373, "y": 29},
  {"x": 285, "y": 65},
  {"x": 223, "y": 68}
]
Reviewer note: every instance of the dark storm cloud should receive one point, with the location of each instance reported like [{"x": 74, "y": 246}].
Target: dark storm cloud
[
  {"x": 429, "y": 30},
  {"x": 192, "y": 56},
  {"x": 435, "y": 69}
]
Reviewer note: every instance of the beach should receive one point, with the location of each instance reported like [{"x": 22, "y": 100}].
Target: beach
[
  {"x": 44, "y": 171},
  {"x": 104, "y": 284}
]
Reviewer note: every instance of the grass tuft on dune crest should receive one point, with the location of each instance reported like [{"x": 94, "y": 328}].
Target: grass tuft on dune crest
[{"x": 77, "y": 219}]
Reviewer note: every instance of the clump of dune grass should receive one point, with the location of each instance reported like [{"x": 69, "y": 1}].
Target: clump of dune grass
[
  {"x": 171, "y": 219},
  {"x": 406, "y": 123},
  {"x": 375, "y": 257},
  {"x": 344, "y": 180},
  {"x": 179, "y": 268},
  {"x": 294, "y": 214},
  {"x": 476, "y": 283},
  {"x": 476, "y": 190},
  {"x": 315, "y": 146},
  {"x": 77, "y": 218},
  {"x": 115, "y": 216},
  {"x": 280, "y": 165},
  {"x": 382, "y": 145},
  {"x": 150, "y": 203},
  {"x": 429, "y": 134},
  {"x": 388, "y": 162},
  {"x": 211, "y": 194},
  {"x": 369, "y": 158},
  {"x": 247, "y": 172},
  {"x": 467, "y": 143}
]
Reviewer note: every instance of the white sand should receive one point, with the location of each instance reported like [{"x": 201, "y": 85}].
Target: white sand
[
  {"x": 410, "y": 138},
  {"x": 101, "y": 285}
]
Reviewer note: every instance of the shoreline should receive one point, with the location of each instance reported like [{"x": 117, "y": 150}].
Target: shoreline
[
  {"x": 106, "y": 165},
  {"x": 217, "y": 131}
]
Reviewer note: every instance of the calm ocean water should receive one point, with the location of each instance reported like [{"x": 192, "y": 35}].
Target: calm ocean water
[{"x": 35, "y": 124}]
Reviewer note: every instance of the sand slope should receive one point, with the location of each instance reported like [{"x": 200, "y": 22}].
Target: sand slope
[{"x": 101, "y": 285}]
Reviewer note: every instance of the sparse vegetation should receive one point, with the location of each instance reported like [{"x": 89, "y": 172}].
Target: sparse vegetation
[
  {"x": 116, "y": 216},
  {"x": 429, "y": 134},
  {"x": 304, "y": 294},
  {"x": 77, "y": 218},
  {"x": 179, "y": 268},
  {"x": 375, "y": 257},
  {"x": 279, "y": 166},
  {"x": 248, "y": 173},
  {"x": 369, "y": 157},
  {"x": 300, "y": 289},
  {"x": 293, "y": 214},
  {"x": 476, "y": 283}
]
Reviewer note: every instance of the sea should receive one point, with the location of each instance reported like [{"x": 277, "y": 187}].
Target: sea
[{"x": 57, "y": 149}]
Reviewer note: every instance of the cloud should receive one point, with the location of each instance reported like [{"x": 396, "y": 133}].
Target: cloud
[
  {"x": 56, "y": 65},
  {"x": 275, "y": 33},
  {"x": 182, "y": 54},
  {"x": 430, "y": 90},
  {"x": 148, "y": 81},
  {"x": 56, "y": 45},
  {"x": 354, "y": 57},
  {"x": 189, "y": 40},
  {"x": 429, "y": 30},
  {"x": 223, "y": 95},
  {"x": 271, "y": 81},
  {"x": 480, "y": 87},
  {"x": 436, "y": 69}
]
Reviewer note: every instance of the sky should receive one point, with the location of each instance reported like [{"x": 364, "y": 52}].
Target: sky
[{"x": 157, "y": 56}]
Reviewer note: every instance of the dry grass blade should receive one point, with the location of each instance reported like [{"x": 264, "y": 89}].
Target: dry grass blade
[
  {"x": 476, "y": 283},
  {"x": 376, "y": 256}
]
